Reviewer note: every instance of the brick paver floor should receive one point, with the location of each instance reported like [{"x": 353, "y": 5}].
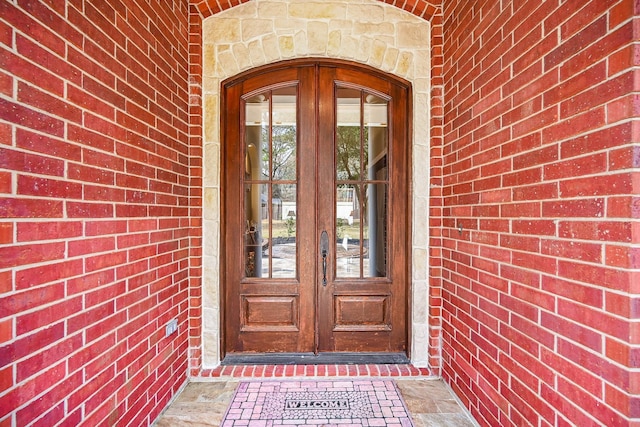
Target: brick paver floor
[{"x": 341, "y": 402}]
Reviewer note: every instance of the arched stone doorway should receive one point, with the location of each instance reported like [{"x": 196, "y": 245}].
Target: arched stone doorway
[{"x": 268, "y": 31}]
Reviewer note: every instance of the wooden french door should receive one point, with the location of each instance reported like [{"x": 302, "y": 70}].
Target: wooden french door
[{"x": 315, "y": 231}]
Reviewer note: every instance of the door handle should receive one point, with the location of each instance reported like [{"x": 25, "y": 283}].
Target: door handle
[{"x": 324, "y": 251}]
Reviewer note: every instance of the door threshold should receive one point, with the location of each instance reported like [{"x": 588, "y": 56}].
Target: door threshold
[{"x": 316, "y": 359}]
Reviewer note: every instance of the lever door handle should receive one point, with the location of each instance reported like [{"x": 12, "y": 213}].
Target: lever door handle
[
  {"x": 324, "y": 251},
  {"x": 324, "y": 268}
]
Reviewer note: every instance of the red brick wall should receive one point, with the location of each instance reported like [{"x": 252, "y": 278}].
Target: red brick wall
[
  {"x": 540, "y": 238},
  {"x": 195, "y": 143},
  {"x": 94, "y": 209}
]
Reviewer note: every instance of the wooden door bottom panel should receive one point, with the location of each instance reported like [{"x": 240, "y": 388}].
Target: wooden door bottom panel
[
  {"x": 362, "y": 312},
  {"x": 269, "y": 312}
]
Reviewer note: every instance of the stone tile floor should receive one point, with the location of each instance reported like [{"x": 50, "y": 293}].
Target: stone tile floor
[{"x": 204, "y": 401}]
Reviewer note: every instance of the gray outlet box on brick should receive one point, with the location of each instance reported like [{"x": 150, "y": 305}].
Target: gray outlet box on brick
[{"x": 171, "y": 327}]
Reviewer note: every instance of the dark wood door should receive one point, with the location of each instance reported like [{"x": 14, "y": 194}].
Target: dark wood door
[{"x": 315, "y": 211}]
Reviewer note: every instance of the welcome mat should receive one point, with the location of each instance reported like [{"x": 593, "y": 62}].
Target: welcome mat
[{"x": 319, "y": 403}]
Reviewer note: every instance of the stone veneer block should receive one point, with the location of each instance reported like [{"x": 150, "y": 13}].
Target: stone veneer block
[
  {"x": 209, "y": 57},
  {"x": 227, "y": 61},
  {"x": 421, "y": 86},
  {"x": 366, "y": 13},
  {"x": 253, "y": 28},
  {"x": 422, "y": 66},
  {"x": 420, "y": 342},
  {"x": 364, "y": 51},
  {"x": 211, "y": 152},
  {"x": 413, "y": 36},
  {"x": 208, "y": 83},
  {"x": 242, "y": 55},
  {"x": 211, "y": 204},
  {"x": 421, "y": 128},
  {"x": 224, "y": 31},
  {"x": 289, "y": 26},
  {"x": 247, "y": 11},
  {"x": 273, "y": 10},
  {"x": 420, "y": 314},
  {"x": 333, "y": 43},
  {"x": 286, "y": 46},
  {"x": 390, "y": 59},
  {"x": 210, "y": 247},
  {"x": 211, "y": 121},
  {"x": 301, "y": 46},
  {"x": 318, "y": 10},
  {"x": 210, "y": 283},
  {"x": 256, "y": 53},
  {"x": 209, "y": 335},
  {"x": 374, "y": 29},
  {"x": 318, "y": 36},
  {"x": 350, "y": 46},
  {"x": 271, "y": 48},
  {"x": 405, "y": 61},
  {"x": 377, "y": 53},
  {"x": 343, "y": 25},
  {"x": 420, "y": 263}
]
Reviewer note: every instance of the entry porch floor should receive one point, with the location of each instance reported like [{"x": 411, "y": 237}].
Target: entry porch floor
[{"x": 205, "y": 399}]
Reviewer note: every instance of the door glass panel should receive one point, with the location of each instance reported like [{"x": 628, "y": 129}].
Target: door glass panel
[
  {"x": 256, "y": 215},
  {"x": 284, "y": 136},
  {"x": 282, "y": 251},
  {"x": 348, "y": 134},
  {"x": 257, "y": 119},
  {"x": 374, "y": 252},
  {"x": 348, "y": 251},
  {"x": 362, "y": 183},
  {"x": 376, "y": 135},
  {"x": 270, "y": 179}
]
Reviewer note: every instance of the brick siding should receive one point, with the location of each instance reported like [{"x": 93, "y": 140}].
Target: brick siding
[
  {"x": 540, "y": 232},
  {"x": 95, "y": 210},
  {"x": 533, "y": 214}
]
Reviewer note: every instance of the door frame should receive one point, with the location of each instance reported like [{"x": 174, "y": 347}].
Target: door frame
[{"x": 224, "y": 170}]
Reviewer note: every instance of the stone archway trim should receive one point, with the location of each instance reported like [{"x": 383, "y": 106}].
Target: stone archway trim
[{"x": 368, "y": 32}]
